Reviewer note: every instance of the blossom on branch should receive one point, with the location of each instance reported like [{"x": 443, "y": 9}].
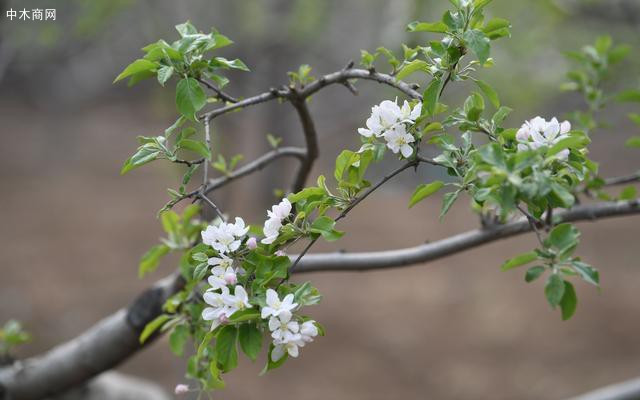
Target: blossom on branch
[
  {"x": 275, "y": 307},
  {"x": 538, "y": 132},
  {"x": 225, "y": 237},
  {"x": 272, "y": 225}
]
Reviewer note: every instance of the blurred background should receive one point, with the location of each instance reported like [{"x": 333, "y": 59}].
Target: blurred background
[{"x": 73, "y": 229}]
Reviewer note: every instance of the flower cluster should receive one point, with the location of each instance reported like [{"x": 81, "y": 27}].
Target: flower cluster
[
  {"x": 287, "y": 334},
  {"x": 390, "y": 121},
  {"x": 539, "y": 132},
  {"x": 225, "y": 237},
  {"x": 272, "y": 225}
]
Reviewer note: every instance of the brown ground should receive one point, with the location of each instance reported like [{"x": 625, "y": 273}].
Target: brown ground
[{"x": 72, "y": 231}]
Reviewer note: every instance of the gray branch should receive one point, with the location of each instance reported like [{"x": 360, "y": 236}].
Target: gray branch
[
  {"x": 311, "y": 139},
  {"x": 454, "y": 244},
  {"x": 115, "y": 338},
  {"x": 628, "y": 390}
]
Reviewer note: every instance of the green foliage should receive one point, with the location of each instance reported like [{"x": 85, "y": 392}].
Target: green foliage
[{"x": 12, "y": 334}]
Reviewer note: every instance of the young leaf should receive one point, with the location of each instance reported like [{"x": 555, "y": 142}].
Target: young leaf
[
  {"x": 178, "y": 339},
  {"x": 190, "y": 98},
  {"x": 195, "y": 146},
  {"x": 587, "y": 272},
  {"x": 563, "y": 237},
  {"x": 150, "y": 260},
  {"x": 143, "y": 155},
  {"x": 413, "y": 66},
  {"x": 569, "y": 301},
  {"x": 425, "y": 190},
  {"x": 432, "y": 95},
  {"x": 447, "y": 202},
  {"x": 153, "y": 326},
  {"x": 226, "y": 351},
  {"x": 488, "y": 91},
  {"x": 633, "y": 141},
  {"x": 554, "y": 289},
  {"x": 136, "y": 67},
  {"x": 478, "y": 43},
  {"x": 534, "y": 273},
  {"x": 521, "y": 259},
  {"x": 250, "y": 339},
  {"x": 164, "y": 73},
  {"x": 436, "y": 27}
]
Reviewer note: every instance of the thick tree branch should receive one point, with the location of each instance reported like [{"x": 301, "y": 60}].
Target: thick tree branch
[
  {"x": 102, "y": 347},
  {"x": 628, "y": 390}
]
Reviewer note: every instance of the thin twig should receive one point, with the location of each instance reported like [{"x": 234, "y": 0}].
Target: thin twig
[
  {"x": 219, "y": 93},
  {"x": 533, "y": 221},
  {"x": 211, "y": 204}
]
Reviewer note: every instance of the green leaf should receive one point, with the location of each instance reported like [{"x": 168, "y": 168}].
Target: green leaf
[
  {"x": 344, "y": 160},
  {"x": 150, "y": 260},
  {"x": 628, "y": 193},
  {"x": 178, "y": 339},
  {"x": 447, "y": 201},
  {"x": 153, "y": 326},
  {"x": 635, "y": 118},
  {"x": 633, "y": 142},
  {"x": 521, "y": 259},
  {"x": 190, "y": 97},
  {"x": 221, "y": 62},
  {"x": 145, "y": 154},
  {"x": 572, "y": 142},
  {"x": 554, "y": 289},
  {"x": 631, "y": 95},
  {"x": 488, "y": 91},
  {"x": 563, "y": 195},
  {"x": 136, "y": 67},
  {"x": 247, "y": 314},
  {"x": 534, "y": 273},
  {"x": 250, "y": 339},
  {"x": 195, "y": 146},
  {"x": 437, "y": 27},
  {"x": 500, "y": 115},
  {"x": 478, "y": 43},
  {"x": 497, "y": 28},
  {"x": 569, "y": 301},
  {"x": 432, "y": 95},
  {"x": 563, "y": 237},
  {"x": 164, "y": 73},
  {"x": 587, "y": 272},
  {"x": 324, "y": 226},
  {"x": 200, "y": 271},
  {"x": 410, "y": 68},
  {"x": 226, "y": 351},
  {"x": 425, "y": 190}
]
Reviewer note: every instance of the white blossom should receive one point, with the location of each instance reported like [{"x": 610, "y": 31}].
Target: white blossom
[
  {"x": 237, "y": 301},
  {"x": 398, "y": 140},
  {"x": 276, "y": 215},
  {"x": 181, "y": 389},
  {"x": 222, "y": 274},
  {"x": 388, "y": 115},
  {"x": 538, "y": 132},
  {"x": 219, "y": 310},
  {"x": 308, "y": 330},
  {"x": 283, "y": 328},
  {"x": 290, "y": 347},
  {"x": 225, "y": 237},
  {"x": 275, "y": 307}
]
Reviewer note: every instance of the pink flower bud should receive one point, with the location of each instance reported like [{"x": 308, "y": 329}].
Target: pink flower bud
[
  {"x": 230, "y": 278},
  {"x": 181, "y": 389},
  {"x": 252, "y": 243},
  {"x": 280, "y": 253},
  {"x": 223, "y": 319}
]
